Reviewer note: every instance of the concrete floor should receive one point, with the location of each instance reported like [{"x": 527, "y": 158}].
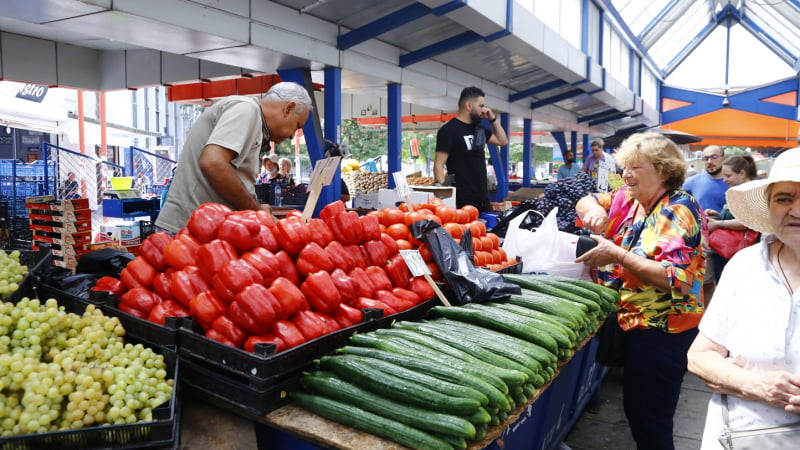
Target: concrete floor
[{"x": 605, "y": 427}]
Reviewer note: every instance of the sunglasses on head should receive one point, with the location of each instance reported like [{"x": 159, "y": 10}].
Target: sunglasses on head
[{"x": 712, "y": 157}]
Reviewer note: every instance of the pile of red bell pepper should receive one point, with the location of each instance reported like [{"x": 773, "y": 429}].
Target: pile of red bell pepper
[{"x": 246, "y": 279}]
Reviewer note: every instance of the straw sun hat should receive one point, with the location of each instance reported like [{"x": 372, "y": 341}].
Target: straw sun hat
[{"x": 748, "y": 201}]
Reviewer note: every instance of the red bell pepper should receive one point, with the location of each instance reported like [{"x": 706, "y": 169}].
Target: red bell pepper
[
  {"x": 397, "y": 270},
  {"x": 161, "y": 284},
  {"x": 287, "y": 268},
  {"x": 339, "y": 256},
  {"x": 255, "y": 309},
  {"x": 289, "y": 296},
  {"x": 377, "y": 253},
  {"x": 288, "y": 333},
  {"x": 265, "y": 262},
  {"x": 320, "y": 232},
  {"x": 240, "y": 231},
  {"x": 313, "y": 258},
  {"x": 347, "y": 316},
  {"x": 153, "y": 248},
  {"x": 186, "y": 284},
  {"x": 141, "y": 272},
  {"x": 371, "y": 227},
  {"x": 292, "y": 234},
  {"x": 398, "y": 304},
  {"x": 133, "y": 311},
  {"x": 421, "y": 287},
  {"x": 332, "y": 209},
  {"x": 320, "y": 292},
  {"x": 204, "y": 222},
  {"x": 265, "y": 218},
  {"x": 223, "y": 326},
  {"x": 233, "y": 276},
  {"x": 391, "y": 245},
  {"x": 369, "y": 303},
  {"x": 182, "y": 251},
  {"x": 379, "y": 278},
  {"x": 364, "y": 286},
  {"x": 213, "y": 255},
  {"x": 357, "y": 255},
  {"x": 140, "y": 299},
  {"x": 109, "y": 284},
  {"x": 295, "y": 213},
  {"x": 250, "y": 343},
  {"x": 266, "y": 239},
  {"x": 344, "y": 284},
  {"x": 206, "y": 307},
  {"x": 407, "y": 295},
  {"x": 347, "y": 228},
  {"x": 313, "y": 324},
  {"x": 167, "y": 308}
]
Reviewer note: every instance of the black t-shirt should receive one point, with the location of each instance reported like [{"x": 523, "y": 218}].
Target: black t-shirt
[{"x": 468, "y": 164}]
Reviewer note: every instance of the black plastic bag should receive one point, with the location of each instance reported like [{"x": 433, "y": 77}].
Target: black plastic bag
[
  {"x": 505, "y": 218},
  {"x": 468, "y": 283},
  {"x": 104, "y": 262}
]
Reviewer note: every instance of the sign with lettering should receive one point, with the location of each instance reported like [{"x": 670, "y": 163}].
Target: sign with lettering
[{"x": 32, "y": 92}]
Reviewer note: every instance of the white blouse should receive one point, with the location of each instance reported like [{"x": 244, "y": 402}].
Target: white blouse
[{"x": 752, "y": 315}]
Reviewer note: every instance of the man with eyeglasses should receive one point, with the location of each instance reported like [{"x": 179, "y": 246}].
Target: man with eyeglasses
[
  {"x": 219, "y": 162},
  {"x": 709, "y": 188}
]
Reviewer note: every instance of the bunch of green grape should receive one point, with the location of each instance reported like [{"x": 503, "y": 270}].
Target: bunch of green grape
[
  {"x": 11, "y": 272},
  {"x": 61, "y": 371}
]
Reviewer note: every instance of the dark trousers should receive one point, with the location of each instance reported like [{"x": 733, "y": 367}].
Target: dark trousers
[{"x": 654, "y": 369}]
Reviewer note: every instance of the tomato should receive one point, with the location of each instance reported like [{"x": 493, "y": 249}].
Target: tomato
[
  {"x": 426, "y": 253},
  {"x": 435, "y": 201},
  {"x": 447, "y": 214},
  {"x": 477, "y": 228},
  {"x": 428, "y": 213},
  {"x": 425, "y": 206},
  {"x": 472, "y": 211},
  {"x": 463, "y": 216},
  {"x": 403, "y": 244},
  {"x": 390, "y": 216},
  {"x": 455, "y": 229},
  {"x": 398, "y": 231},
  {"x": 403, "y": 207},
  {"x": 497, "y": 257},
  {"x": 476, "y": 243},
  {"x": 436, "y": 274},
  {"x": 412, "y": 217},
  {"x": 486, "y": 243},
  {"x": 436, "y": 219},
  {"x": 495, "y": 240}
]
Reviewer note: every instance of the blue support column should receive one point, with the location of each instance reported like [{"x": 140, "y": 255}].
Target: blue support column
[
  {"x": 587, "y": 147},
  {"x": 395, "y": 130},
  {"x": 500, "y": 162},
  {"x": 333, "y": 121},
  {"x": 573, "y": 144},
  {"x": 526, "y": 152}
]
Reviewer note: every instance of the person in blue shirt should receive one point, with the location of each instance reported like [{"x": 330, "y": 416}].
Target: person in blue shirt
[{"x": 569, "y": 169}]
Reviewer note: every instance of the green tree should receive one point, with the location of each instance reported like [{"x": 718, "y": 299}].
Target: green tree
[{"x": 364, "y": 142}]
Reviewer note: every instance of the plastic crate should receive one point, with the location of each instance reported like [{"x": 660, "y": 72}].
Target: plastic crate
[
  {"x": 147, "y": 332},
  {"x": 35, "y": 260},
  {"x": 146, "y": 228},
  {"x": 294, "y": 195},
  {"x": 162, "y": 432}
]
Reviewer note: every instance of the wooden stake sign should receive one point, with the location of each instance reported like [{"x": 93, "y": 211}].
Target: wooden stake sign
[
  {"x": 418, "y": 267},
  {"x": 322, "y": 176}
]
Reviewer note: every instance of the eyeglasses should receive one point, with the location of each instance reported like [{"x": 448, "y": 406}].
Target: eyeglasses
[{"x": 712, "y": 157}]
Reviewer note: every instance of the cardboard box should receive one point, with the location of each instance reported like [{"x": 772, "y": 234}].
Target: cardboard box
[
  {"x": 60, "y": 216},
  {"x": 61, "y": 227},
  {"x": 62, "y": 239},
  {"x": 366, "y": 201},
  {"x": 446, "y": 193},
  {"x": 66, "y": 250},
  {"x": 124, "y": 234},
  {"x": 389, "y": 197},
  {"x": 49, "y": 202}
]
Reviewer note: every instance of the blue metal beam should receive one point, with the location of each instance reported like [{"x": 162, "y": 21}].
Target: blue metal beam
[
  {"x": 526, "y": 152},
  {"x": 557, "y": 98},
  {"x": 502, "y": 182},
  {"x": 392, "y": 21},
  {"x": 596, "y": 115},
  {"x": 573, "y": 144},
  {"x": 657, "y": 19},
  {"x": 700, "y": 103},
  {"x": 752, "y": 101},
  {"x": 766, "y": 38},
  {"x": 536, "y": 90},
  {"x": 607, "y": 119},
  {"x": 585, "y": 27},
  {"x": 684, "y": 53},
  {"x": 395, "y": 130},
  {"x": 561, "y": 140},
  {"x": 333, "y": 120},
  {"x": 458, "y": 41},
  {"x": 587, "y": 147}
]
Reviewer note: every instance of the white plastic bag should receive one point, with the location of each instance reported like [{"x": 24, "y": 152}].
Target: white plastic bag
[{"x": 545, "y": 250}]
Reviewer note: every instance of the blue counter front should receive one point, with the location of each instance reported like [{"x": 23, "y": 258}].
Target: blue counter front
[{"x": 540, "y": 425}]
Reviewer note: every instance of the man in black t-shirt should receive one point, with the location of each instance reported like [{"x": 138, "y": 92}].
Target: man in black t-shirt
[{"x": 461, "y": 147}]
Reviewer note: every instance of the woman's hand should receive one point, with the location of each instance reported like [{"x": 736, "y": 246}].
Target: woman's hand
[
  {"x": 605, "y": 253},
  {"x": 778, "y": 388},
  {"x": 593, "y": 216},
  {"x": 714, "y": 224},
  {"x": 712, "y": 214}
]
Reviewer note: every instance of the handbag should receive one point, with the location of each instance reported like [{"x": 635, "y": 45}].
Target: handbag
[
  {"x": 611, "y": 343},
  {"x": 727, "y": 242},
  {"x": 786, "y": 436}
]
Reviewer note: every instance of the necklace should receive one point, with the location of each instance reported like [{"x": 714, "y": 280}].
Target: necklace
[{"x": 780, "y": 266}]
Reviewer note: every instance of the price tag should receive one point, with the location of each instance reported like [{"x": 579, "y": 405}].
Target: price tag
[
  {"x": 323, "y": 172},
  {"x": 401, "y": 184},
  {"x": 415, "y": 262},
  {"x": 604, "y": 168}
]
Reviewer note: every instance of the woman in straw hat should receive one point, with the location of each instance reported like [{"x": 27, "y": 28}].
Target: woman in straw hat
[
  {"x": 658, "y": 268},
  {"x": 748, "y": 347}
]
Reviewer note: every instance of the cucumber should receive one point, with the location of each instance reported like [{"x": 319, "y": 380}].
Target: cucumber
[
  {"x": 541, "y": 320},
  {"x": 550, "y": 305},
  {"x": 369, "y": 422},
  {"x": 511, "y": 377},
  {"x": 609, "y": 295},
  {"x": 522, "y": 363},
  {"x": 561, "y": 340},
  {"x": 490, "y": 318},
  {"x": 539, "y": 285},
  {"x": 481, "y": 417},
  {"x": 431, "y": 382},
  {"x": 458, "y": 443},
  {"x": 573, "y": 288},
  {"x": 334, "y": 388},
  {"x": 414, "y": 350},
  {"x": 397, "y": 388},
  {"x": 495, "y": 396}
]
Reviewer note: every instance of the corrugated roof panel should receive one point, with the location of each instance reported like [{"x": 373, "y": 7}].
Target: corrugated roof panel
[
  {"x": 681, "y": 34},
  {"x": 781, "y": 21},
  {"x": 638, "y": 14}
]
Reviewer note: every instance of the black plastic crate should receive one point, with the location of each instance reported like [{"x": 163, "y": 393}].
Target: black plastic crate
[
  {"x": 148, "y": 332},
  {"x": 515, "y": 268},
  {"x": 162, "y": 432},
  {"x": 146, "y": 228},
  {"x": 35, "y": 260},
  {"x": 258, "y": 370},
  {"x": 290, "y": 195}
]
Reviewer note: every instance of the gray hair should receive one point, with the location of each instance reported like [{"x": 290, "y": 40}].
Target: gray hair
[
  {"x": 282, "y": 160},
  {"x": 287, "y": 91},
  {"x": 599, "y": 141}
]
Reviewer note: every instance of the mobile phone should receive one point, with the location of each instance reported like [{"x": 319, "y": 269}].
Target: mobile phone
[{"x": 585, "y": 243}]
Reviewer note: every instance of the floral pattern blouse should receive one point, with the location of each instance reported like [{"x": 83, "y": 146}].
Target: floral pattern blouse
[{"x": 672, "y": 234}]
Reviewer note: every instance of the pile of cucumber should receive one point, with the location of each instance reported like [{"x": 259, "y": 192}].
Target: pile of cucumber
[{"x": 440, "y": 383}]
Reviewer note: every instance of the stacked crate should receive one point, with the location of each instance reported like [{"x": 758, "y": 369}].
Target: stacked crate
[{"x": 64, "y": 225}]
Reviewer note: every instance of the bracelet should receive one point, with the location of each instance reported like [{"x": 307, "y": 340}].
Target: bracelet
[{"x": 493, "y": 120}]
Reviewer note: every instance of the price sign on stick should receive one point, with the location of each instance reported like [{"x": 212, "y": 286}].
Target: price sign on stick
[
  {"x": 322, "y": 175},
  {"x": 418, "y": 267},
  {"x": 604, "y": 168},
  {"x": 402, "y": 189}
]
